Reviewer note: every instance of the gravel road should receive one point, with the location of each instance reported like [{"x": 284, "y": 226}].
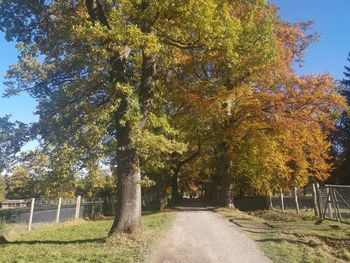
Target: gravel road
[{"x": 199, "y": 235}]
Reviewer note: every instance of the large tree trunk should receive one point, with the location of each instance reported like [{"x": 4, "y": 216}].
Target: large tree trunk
[
  {"x": 227, "y": 191},
  {"x": 175, "y": 186},
  {"x": 128, "y": 208},
  {"x": 162, "y": 196},
  {"x": 227, "y": 182},
  {"x": 214, "y": 186},
  {"x": 174, "y": 189}
]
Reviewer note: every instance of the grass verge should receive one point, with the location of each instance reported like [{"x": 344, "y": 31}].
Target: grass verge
[
  {"x": 83, "y": 241},
  {"x": 292, "y": 238}
]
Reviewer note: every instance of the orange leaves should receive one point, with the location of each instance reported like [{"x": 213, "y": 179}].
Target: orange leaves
[
  {"x": 303, "y": 110},
  {"x": 274, "y": 124},
  {"x": 309, "y": 99}
]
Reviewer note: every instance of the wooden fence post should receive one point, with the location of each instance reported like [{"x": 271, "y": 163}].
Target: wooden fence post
[
  {"x": 296, "y": 203},
  {"x": 329, "y": 203},
  {"x": 92, "y": 214},
  {"x": 314, "y": 195},
  {"x": 318, "y": 191},
  {"x": 282, "y": 200},
  {"x": 100, "y": 200},
  {"x": 31, "y": 214},
  {"x": 77, "y": 207},
  {"x": 58, "y": 210}
]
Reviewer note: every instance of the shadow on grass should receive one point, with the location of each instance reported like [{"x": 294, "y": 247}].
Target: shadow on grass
[
  {"x": 4, "y": 241},
  {"x": 280, "y": 240},
  {"x": 319, "y": 222}
]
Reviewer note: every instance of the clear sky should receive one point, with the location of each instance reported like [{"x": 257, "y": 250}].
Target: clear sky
[{"x": 332, "y": 21}]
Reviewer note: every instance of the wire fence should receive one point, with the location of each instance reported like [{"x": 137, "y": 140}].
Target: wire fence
[
  {"x": 53, "y": 210},
  {"x": 305, "y": 202},
  {"x": 328, "y": 202},
  {"x": 294, "y": 199}
]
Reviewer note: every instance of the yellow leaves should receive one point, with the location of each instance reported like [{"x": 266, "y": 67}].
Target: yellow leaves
[
  {"x": 154, "y": 147},
  {"x": 152, "y": 44},
  {"x": 147, "y": 182}
]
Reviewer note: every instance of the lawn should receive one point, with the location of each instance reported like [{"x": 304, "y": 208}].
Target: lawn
[
  {"x": 288, "y": 237},
  {"x": 83, "y": 241}
]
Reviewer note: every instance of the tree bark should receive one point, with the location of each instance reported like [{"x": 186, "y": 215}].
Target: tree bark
[
  {"x": 295, "y": 197},
  {"x": 162, "y": 197},
  {"x": 314, "y": 196},
  {"x": 282, "y": 200},
  {"x": 227, "y": 185},
  {"x": 227, "y": 182},
  {"x": 227, "y": 192},
  {"x": 270, "y": 205},
  {"x": 128, "y": 208},
  {"x": 213, "y": 195},
  {"x": 92, "y": 212},
  {"x": 174, "y": 189}
]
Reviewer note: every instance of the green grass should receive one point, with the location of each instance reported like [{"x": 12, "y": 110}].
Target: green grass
[
  {"x": 296, "y": 238},
  {"x": 83, "y": 241}
]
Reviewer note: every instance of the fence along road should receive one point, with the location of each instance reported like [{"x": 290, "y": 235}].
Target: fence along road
[{"x": 46, "y": 212}]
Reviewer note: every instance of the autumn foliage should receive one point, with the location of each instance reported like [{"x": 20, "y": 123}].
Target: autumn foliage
[
  {"x": 270, "y": 130},
  {"x": 188, "y": 94}
]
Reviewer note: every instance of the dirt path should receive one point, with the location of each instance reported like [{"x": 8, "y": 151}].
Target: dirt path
[{"x": 199, "y": 235}]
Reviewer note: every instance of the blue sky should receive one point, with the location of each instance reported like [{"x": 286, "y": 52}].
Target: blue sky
[
  {"x": 332, "y": 21},
  {"x": 20, "y": 107}
]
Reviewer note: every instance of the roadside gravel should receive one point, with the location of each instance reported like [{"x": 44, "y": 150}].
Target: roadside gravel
[{"x": 199, "y": 235}]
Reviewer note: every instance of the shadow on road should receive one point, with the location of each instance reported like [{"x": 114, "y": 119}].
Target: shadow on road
[{"x": 192, "y": 205}]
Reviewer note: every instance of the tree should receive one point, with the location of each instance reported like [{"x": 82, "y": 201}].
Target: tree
[
  {"x": 107, "y": 64},
  {"x": 17, "y": 183},
  {"x": 271, "y": 128},
  {"x": 341, "y": 138},
  {"x": 209, "y": 79},
  {"x": 12, "y": 138},
  {"x": 2, "y": 188}
]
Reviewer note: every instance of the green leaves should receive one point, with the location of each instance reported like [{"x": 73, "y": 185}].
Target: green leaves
[{"x": 13, "y": 135}]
